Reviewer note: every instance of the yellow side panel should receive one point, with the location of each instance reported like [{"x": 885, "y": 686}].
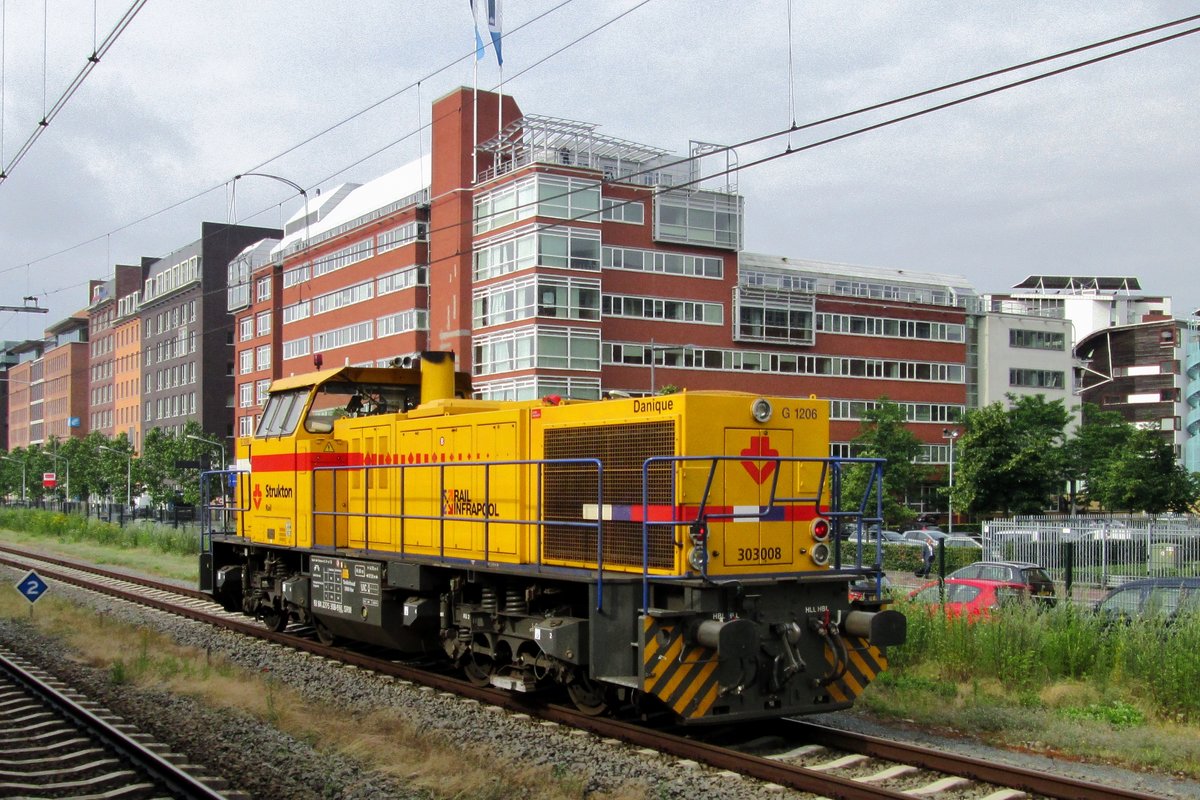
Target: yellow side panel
[{"x": 419, "y": 493}]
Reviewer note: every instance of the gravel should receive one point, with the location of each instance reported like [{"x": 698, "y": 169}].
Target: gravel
[{"x": 267, "y": 763}]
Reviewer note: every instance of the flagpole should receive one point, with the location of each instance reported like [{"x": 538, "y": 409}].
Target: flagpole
[{"x": 500, "y": 105}]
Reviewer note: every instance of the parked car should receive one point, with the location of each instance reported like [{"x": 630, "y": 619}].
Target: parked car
[
  {"x": 923, "y": 536},
  {"x": 866, "y": 588},
  {"x": 961, "y": 541},
  {"x": 970, "y": 598},
  {"x": 1163, "y": 598},
  {"x": 891, "y": 536},
  {"x": 1032, "y": 576}
]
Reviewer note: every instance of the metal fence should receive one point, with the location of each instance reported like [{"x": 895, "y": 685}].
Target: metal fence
[{"x": 1101, "y": 551}]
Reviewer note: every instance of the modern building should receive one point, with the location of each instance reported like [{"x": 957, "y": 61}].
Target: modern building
[
  {"x": 26, "y": 394},
  {"x": 8, "y": 360},
  {"x": 1137, "y": 370},
  {"x": 1013, "y": 354},
  {"x": 1191, "y": 394},
  {"x": 187, "y": 334}
]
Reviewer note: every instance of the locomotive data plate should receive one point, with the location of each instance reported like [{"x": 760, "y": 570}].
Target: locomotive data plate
[{"x": 346, "y": 588}]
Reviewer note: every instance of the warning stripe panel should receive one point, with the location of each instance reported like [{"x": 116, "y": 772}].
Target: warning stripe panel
[
  {"x": 682, "y": 675},
  {"x": 865, "y": 662}
]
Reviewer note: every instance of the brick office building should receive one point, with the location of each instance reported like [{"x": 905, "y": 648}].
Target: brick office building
[
  {"x": 106, "y": 335},
  {"x": 556, "y": 260},
  {"x": 187, "y": 334}
]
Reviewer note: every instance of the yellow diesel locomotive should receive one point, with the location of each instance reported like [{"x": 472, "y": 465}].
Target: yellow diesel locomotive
[{"x": 672, "y": 550}]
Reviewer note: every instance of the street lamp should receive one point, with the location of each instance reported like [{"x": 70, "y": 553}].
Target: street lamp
[
  {"x": 128, "y": 475},
  {"x": 951, "y": 434},
  {"x": 661, "y": 348},
  {"x": 292, "y": 184},
  {"x": 210, "y": 443},
  {"x": 22, "y": 463}
]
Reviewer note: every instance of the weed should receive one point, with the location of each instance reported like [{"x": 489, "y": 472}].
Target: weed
[{"x": 1118, "y": 714}]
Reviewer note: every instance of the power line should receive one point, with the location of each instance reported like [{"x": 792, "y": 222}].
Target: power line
[
  {"x": 69, "y": 92},
  {"x": 827, "y": 120}
]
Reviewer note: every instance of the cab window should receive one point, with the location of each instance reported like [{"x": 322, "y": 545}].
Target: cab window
[{"x": 282, "y": 413}]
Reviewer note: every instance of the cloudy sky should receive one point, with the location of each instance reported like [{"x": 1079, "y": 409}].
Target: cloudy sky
[{"x": 1095, "y": 171}]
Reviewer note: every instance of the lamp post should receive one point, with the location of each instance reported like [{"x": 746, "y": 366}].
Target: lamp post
[
  {"x": 22, "y": 463},
  {"x": 950, "y": 434},
  {"x": 128, "y": 475},
  {"x": 655, "y": 349},
  {"x": 210, "y": 443}
]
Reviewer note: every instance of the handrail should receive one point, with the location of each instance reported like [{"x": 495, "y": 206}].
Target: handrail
[
  {"x": 539, "y": 522},
  {"x": 830, "y": 468}
]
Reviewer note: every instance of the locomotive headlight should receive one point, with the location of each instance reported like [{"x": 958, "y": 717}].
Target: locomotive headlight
[
  {"x": 761, "y": 410},
  {"x": 820, "y": 554}
]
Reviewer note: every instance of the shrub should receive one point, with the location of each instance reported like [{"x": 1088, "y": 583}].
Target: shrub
[{"x": 78, "y": 528}]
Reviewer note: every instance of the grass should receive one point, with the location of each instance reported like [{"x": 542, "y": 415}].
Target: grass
[
  {"x": 382, "y": 740},
  {"x": 1060, "y": 682},
  {"x": 152, "y": 549}
]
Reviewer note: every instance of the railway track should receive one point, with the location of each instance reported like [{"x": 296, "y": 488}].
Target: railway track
[
  {"x": 54, "y": 744},
  {"x": 823, "y": 761}
]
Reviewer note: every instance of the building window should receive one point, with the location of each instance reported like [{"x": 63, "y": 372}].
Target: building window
[
  {"x": 540, "y": 195},
  {"x": 297, "y": 311},
  {"x": 343, "y": 297},
  {"x": 1036, "y": 378},
  {"x": 401, "y": 322},
  {"x": 264, "y": 289},
  {"x": 658, "y": 261},
  {"x": 246, "y": 361},
  {"x": 704, "y": 218},
  {"x": 246, "y": 329},
  {"x": 261, "y": 391},
  {"x": 406, "y": 278},
  {"x": 246, "y": 395},
  {"x": 343, "y": 337},
  {"x": 616, "y": 305},
  {"x": 263, "y": 323},
  {"x": 263, "y": 356},
  {"x": 1037, "y": 340},
  {"x": 537, "y": 346},
  {"x": 295, "y": 348},
  {"x": 768, "y": 316},
  {"x": 398, "y": 237},
  {"x": 537, "y": 296},
  {"x": 623, "y": 211},
  {"x": 557, "y": 246}
]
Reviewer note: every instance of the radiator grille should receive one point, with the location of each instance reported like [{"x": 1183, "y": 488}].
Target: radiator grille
[{"x": 622, "y": 449}]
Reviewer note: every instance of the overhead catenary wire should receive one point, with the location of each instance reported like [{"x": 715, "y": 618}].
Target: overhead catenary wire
[
  {"x": 76, "y": 82},
  {"x": 849, "y": 114}
]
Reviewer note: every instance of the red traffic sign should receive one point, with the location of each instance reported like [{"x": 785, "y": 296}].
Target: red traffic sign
[{"x": 49, "y": 480}]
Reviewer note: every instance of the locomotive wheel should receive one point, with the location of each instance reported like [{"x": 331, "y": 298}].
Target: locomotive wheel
[
  {"x": 275, "y": 618},
  {"x": 478, "y": 669},
  {"x": 588, "y": 696},
  {"x": 324, "y": 635}
]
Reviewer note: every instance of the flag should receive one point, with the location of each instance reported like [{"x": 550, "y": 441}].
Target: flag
[
  {"x": 478, "y": 38},
  {"x": 494, "y": 28}
]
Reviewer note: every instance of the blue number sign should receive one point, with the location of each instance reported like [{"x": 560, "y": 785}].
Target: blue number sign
[{"x": 32, "y": 587}]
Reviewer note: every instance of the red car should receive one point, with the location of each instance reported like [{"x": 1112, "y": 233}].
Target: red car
[{"x": 970, "y": 597}]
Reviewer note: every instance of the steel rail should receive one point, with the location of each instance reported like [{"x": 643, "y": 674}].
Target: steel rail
[{"x": 160, "y": 771}]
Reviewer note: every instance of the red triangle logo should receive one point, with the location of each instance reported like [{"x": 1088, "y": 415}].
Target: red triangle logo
[{"x": 759, "y": 471}]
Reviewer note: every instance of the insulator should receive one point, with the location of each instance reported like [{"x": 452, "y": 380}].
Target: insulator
[
  {"x": 514, "y": 602},
  {"x": 488, "y": 599},
  {"x": 464, "y": 635}
]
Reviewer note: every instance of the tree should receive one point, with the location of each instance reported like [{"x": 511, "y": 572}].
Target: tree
[
  {"x": 158, "y": 469},
  {"x": 1143, "y": 475},
  {"x": 1010, "y": 459},
  {"x": 884, "y": 434},
  {"x": 1101, "y": 435}
]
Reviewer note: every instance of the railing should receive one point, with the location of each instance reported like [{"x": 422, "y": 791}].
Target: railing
[
  {"x": 696, "y": 515},
  {"x": 1098, "y": 551},
  {"x": 217, "y": 503},
  {"x": 488, "y": 521}
]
